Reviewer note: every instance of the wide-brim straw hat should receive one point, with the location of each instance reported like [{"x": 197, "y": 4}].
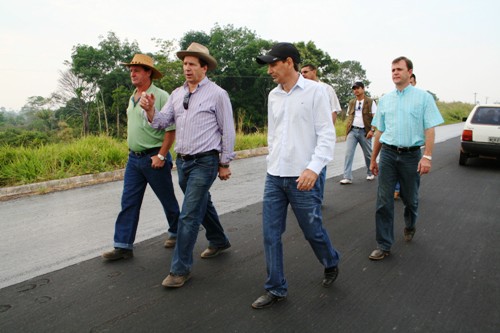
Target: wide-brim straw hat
[
  {"x": 144, "y": 60},
  {"x": 200, "y": 51}
]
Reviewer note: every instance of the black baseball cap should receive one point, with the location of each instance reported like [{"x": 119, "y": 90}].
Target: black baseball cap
[
  {"x": 358, "y": 84},
  {"x": 280, "y": 51}
]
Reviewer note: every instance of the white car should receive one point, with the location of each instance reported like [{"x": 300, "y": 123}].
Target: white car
[{"x": 481, "y": 134}]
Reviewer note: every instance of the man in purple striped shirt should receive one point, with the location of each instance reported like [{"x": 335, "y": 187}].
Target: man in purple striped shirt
[{"x": 205, "y": 135}]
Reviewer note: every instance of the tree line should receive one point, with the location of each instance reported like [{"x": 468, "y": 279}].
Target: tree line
[{"x": 94, "y": 89}]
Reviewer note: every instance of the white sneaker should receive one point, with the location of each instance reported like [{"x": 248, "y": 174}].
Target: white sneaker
[
  {"x": 345, "y": 181},
  {"x": 372, "y": 177}
]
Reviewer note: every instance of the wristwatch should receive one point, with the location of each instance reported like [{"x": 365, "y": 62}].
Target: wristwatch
[
  {"x": 427, "y": 157},
  {"x": 161, "y": 157},
  {"x": 225, "y": 166}
]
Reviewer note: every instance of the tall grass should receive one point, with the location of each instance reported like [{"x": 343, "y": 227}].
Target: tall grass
[
  {"x": 94, "y": 154},
  {"x": 454, "y": 112},
  {"x": 250, "y": 141}
]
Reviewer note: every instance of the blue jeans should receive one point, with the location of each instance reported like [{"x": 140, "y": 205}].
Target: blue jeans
[
  {"x": 195, "y": 179},
  {"x": 279, "y": 192},
  {"x": 138, "y": 174},
  {"x": 396, "y": 167},
  {"x": 322, "y": 182},
  {"x": 354, "y": 137}
]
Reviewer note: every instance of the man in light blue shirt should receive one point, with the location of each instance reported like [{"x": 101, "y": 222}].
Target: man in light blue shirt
[
  {"x": 301, "y": 139},
  {"x": 405, "y": 121}
]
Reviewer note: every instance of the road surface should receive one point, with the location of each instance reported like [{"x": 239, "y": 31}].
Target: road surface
[{"x": 446, "y": 280}]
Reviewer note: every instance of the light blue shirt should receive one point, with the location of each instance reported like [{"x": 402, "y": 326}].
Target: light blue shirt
[
  {"x": 207, "y": 124},
  {"x": 403, "y": 116},
  {"x": 300, "y": 129}
]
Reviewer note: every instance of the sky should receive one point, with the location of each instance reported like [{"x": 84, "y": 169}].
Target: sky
[{"x": 454, "y": 44}]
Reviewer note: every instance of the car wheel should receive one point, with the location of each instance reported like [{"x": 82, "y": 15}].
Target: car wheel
[{"x": 463, "y": 158}]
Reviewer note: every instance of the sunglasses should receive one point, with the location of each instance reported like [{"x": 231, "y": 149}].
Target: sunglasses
[{"x": 185, "y": 102}]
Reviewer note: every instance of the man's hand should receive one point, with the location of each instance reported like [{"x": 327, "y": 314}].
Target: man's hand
[
  {"x": 374, "y": 167},
  {"x": 147, "y": 102},
  {"x": 156, "y": 163},
  {"x": 224, "y": 173},
  {"x": 306, "y": 180},
  {"x": 424, "y": 166}
]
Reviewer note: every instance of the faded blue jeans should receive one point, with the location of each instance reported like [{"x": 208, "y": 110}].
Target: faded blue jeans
[
  {"x": 394, "y": 167},
  {"x": 279, "y": 192},
  {"x": 195, "y": 179},
  {"x": 138, "y": 174},
  {"x": 354, "y": 137},
  {"x": 322, "y": 182}
]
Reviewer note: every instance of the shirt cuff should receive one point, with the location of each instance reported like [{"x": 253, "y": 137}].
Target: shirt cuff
[{"x": 226, "y": 158}]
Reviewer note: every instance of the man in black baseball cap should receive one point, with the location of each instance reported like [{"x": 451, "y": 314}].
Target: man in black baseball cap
[
  {"x": 358, "y": 84},
  {"x": 280, "y": 51},
  {"x": 301, "y": 131}
]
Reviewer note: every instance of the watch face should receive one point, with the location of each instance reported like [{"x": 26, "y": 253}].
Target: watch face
[{"x": 161, "y": 157}]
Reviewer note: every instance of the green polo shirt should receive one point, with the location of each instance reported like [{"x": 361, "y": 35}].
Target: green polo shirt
[{"x": 140, "y": 135}]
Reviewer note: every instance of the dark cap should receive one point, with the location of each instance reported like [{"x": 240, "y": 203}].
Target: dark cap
[
  {"x": 280, "y": 51},
  {"x": 358, "y": 84}
]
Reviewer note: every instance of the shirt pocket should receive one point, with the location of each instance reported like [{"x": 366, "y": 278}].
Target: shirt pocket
[
  {"x": 416, "y": 111},
  {"x": 206, "y": 107}
]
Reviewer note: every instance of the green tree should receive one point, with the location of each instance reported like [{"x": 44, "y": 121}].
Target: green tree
[
  {"x": 100, "y": 67},
  {"x": 77, "y": 94},
  {"x": 310, "y": 54},
  {"x": 169, "y": 65},
  {"x": 48, "y": 119},
  {"x": 121, "y": 97},
  {"x": 194, "y": 36}
]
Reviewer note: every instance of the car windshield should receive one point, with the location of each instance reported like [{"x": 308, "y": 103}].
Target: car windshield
[{"x": 487, "y": 116}]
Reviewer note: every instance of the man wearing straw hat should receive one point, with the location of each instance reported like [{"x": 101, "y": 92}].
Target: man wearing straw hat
[
  {"x": 203, "y": 116},
  {"x": 149, "y": 162}
]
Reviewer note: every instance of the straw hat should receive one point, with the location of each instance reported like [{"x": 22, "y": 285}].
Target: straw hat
[
  {"x": 144, "y": 60},
  {"x": 199, "y": 51}
]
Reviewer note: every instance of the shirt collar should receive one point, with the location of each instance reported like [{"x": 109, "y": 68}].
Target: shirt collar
[
  {"x": 300, "y": 84},
  {"x": 201, "y": 84},
  {"x": 405, "y": 90}
]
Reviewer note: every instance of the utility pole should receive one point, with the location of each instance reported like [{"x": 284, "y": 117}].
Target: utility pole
[{"x": 486, "y": 100}]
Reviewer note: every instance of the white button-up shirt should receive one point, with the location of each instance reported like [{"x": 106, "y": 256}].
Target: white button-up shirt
[{"x": 301, "y": 134}]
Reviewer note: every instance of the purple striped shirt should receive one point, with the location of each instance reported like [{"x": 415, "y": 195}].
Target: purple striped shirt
[{"x": 207, "y": 124}]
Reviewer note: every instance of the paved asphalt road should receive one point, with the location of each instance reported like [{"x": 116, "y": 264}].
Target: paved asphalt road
[
  {"x": 66, "y": 228},
  {"x": 446, "y": 280}
]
